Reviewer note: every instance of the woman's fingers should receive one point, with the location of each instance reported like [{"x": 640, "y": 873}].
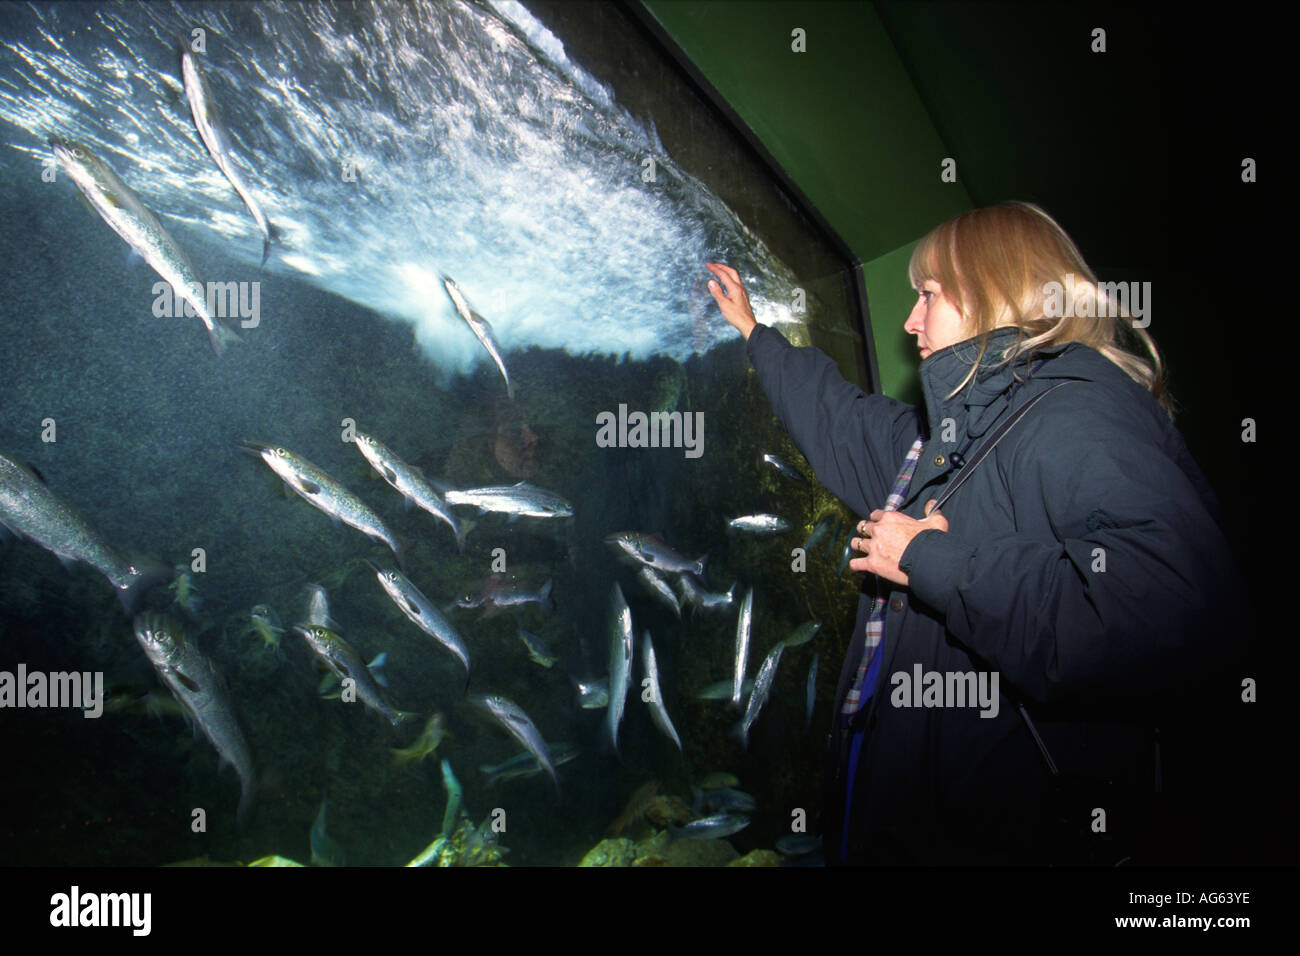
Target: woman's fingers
[
  {"x": 724, "y": 272},
  {"x": 734, "y": 304}
]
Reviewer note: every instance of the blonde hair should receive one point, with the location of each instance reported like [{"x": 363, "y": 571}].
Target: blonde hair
[{"x": 994, "y": 265}]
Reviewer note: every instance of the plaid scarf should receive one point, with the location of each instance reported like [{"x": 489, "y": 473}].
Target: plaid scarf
[{"x": 862, "y": 689}]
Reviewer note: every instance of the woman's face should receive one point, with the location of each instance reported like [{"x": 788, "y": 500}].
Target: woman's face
[{"x": 934, "y": 321}]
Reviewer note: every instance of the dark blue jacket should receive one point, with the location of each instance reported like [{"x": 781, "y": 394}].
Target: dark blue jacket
[{"x": 1094, "y": 473}]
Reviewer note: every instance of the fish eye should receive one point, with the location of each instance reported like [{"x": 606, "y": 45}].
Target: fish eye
[{"x": 280, "y": 452}]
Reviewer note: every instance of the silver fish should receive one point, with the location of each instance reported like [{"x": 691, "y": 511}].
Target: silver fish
[
  {"x": 712, "y": 828},
  {"x": 812, "y": 693},
  {"x": 510, "y": 716},
  {"x": 122, "y": 209},
  {"x": 704, "y": 600},
  {"x": 592, "y": 695},
  {"x": 762, "y": 690},
  {"x": 832, "y": 542},
  {"x": 744, "y": 628},
  {"x": 344, "y": 661},
  {"x": 721, "y": 690},
  {"x": 802, "y": 634},
  {"x": 650, "y": 671},
  {"x": 621, "y": 640},
  {"x": 799, "y": 844},
  {"x": 537, "y": 650},
  {"x": 846, "y": 555},
  {"x": 727, "y": 800},
  {"x": 498, "y": 593},
  {"x": 266, "y": 622},
  {"x": 410, "y": 482},
  {"x": 759, "y": 524},
  {"x": 784, "y": 468},
  {"x": 188, "y": 598},
  {"x": 657, "y": 586},
  {"x": 324, "y": 493},
  {"x": 819, "y": 531},
  {"x": 525, "y": 765},
  {"x": 421, "y": 612},
  {"x": 519, "y": 501},
  {"x": 480, "y": 328},
  {"x": 29, "y": 508},
  {"x": 651, "y": 551},
  {"x": 318, "y": 607},
  {"x": 217, "y": 141},
  {"x": 197, "y": 685},
  {"x": 325, "y": 850}
]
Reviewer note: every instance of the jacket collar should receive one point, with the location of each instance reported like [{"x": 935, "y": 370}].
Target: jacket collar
[{"x": 982, "y": 400}]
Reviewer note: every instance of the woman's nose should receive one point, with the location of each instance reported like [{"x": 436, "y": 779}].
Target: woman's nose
[{"x": 913, "y": 323}]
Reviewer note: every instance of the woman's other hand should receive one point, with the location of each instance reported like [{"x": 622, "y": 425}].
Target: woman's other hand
[
  {"x": 734, "y": 304},
  {"x": 886, "y": 535}
]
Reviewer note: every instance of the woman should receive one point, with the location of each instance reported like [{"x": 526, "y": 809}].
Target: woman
[{"x": 1015, "y": 650}]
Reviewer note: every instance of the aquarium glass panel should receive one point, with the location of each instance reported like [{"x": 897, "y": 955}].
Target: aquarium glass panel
[{"x": 360, "y": 370}]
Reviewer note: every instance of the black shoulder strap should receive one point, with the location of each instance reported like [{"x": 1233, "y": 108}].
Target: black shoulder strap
[
  {"x": 997, "y": 436},
  {"x": 957, "y": 482}
]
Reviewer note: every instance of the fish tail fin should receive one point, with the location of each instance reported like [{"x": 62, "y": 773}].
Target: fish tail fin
[
  {"x": 222, "y": 335},
  {"x": 462, "y": 530},
  {"x": 144, "y": 580},
  {"x": 247, "y": 794},
  {"x": 548, "y": 599},
  {"x": 376, "y": 668},
  {"x": 270, "y": 235},
  {"x": 740, "y": 734},
  {"x": 399, "y": 547}
]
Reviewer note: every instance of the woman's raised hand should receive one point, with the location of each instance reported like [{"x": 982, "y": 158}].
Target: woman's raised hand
[{"x": 734, "y": 304}]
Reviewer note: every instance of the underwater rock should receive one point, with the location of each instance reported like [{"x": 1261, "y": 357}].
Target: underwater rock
[
  {"x": 700, "y": 853},
  {"x": 635, "y": 809},
  {"x": 515, "y": 450},
  {"x": 668, "y": 809},
  {"x": 273, "y": 860},
  {"x": 758, "y": 858},
  {"x": 611, "y": 852},
  {"x": 663, "y": 849}
]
